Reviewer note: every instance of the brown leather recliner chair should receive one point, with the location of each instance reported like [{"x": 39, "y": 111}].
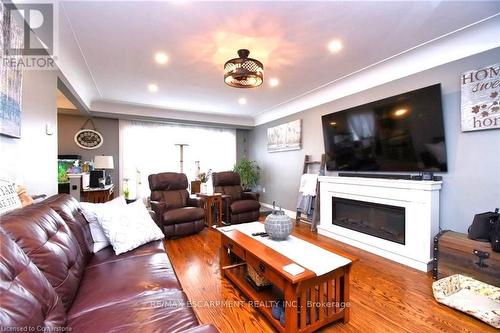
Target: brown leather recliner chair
[
  {"x": 238, "y": 206},
  {"x": 176, "y": 213}
]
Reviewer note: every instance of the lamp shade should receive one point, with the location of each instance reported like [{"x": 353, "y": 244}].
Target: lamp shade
[{"x": 103, "y": 162}]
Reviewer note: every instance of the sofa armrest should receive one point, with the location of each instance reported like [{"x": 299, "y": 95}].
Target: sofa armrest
[
  {"x": 159, "y": 208},
  {"x": 250, "y": 196},
  {"x": 202, "y": 329},
  {"x": 226, "y": 200},
  {"x": 196, "y": 202},
  {"x": 226, "y": 197}
]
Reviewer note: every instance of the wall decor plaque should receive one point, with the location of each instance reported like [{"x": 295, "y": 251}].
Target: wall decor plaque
[
  {"x": 87, "y": 138},
  {"x": 480, "y": 98}
]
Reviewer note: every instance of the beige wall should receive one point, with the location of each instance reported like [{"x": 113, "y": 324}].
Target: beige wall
[
  {"x": 68, "y": 126},
  {"x": 472, "y": 184},
  {"x": 32, "y": 159}
]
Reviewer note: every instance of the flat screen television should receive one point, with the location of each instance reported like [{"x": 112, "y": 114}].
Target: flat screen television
[{"x": 402, "y": 133}]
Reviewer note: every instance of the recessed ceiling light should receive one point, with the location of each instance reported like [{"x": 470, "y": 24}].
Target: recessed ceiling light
[
  {"x": 161, "y": 58},
  {"x": 152, "y": 87},
  {"x": 335, "y": 46},
  {"x": 273, "y": 82},
  {"x": 400, "y": 112},
  {"x": 242, "y": 101}
]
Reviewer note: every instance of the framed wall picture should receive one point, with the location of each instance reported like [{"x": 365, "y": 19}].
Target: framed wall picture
[
  {"x": 285, "y": 137},
  {"x": 480, "y": 92},
  {"x": 11, "y": 79}
]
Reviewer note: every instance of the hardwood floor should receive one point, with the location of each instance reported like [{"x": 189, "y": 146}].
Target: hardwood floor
[{"x": 385, "y": 296}]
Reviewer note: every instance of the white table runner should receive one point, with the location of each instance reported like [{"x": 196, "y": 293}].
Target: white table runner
[{"x": 303, "y": 253}]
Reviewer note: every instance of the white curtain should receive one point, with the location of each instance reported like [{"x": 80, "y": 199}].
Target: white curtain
[{"x": 149, "y": 147}]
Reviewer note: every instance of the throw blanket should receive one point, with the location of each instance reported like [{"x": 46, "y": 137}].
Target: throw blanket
[
  {"x": 305, "y": 204},
  {"x": 303, "y": 253},
  {"x": 308, "y": 183}
]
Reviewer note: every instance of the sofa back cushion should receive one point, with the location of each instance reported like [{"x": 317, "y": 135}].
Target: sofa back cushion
[
  {"x": 228, "y": 183},
  {"x": 69, "y": 209},
  {"x": 49, "y": 243},
  {"x": 169, "y": 187},
  {"x": 26, "y": 297}
]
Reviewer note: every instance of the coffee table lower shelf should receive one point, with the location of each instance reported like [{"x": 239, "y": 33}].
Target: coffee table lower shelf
[{"x": 321, "y": 299}]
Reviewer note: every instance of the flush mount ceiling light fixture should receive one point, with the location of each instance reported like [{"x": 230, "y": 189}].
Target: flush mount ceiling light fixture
[{"x": 243, "y": 72}]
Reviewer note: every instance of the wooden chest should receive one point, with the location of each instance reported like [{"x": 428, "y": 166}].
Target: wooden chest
[{"x": 454, "y": 253}]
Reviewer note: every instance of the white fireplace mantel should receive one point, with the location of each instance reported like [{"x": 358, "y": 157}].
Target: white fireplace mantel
[{"x": 419, "y": 198}]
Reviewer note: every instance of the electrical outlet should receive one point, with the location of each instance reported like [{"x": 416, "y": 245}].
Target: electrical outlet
[{"x": 263, "y": 190}]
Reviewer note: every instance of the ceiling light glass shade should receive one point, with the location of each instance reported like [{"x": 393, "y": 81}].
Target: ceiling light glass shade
[{"x": 243, "y": 72}]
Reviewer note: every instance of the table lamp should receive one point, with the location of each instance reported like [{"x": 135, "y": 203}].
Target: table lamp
[{"x": 101, "y": 163}]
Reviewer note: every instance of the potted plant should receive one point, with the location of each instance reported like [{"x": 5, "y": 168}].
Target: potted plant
[
  {"x": 126, "y": 190},
  {"x": 204, "y": 177},
  {"x": 249, "y": 173}
]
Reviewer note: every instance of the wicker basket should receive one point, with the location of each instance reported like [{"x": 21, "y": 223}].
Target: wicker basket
[{"x": 258, "y": 279}]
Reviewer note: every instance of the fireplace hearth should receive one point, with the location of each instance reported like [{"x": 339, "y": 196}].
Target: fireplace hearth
[{"x": 374, "y": 219}]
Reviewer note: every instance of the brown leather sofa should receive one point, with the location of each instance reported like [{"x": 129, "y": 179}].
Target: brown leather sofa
[
  {"x": 51, "y": 282},
  {"x": 177, "y": 214},
  {"x": 238, "y": 206}
]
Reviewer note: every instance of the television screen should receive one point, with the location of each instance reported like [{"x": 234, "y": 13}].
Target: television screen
[{"x": 398, "y": 133}]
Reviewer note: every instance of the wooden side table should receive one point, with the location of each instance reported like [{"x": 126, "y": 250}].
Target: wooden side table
[
  {"x": 213, "y": 208},
  {"x": 98, "y": 195},
  {"x": 195, "y": 186}
]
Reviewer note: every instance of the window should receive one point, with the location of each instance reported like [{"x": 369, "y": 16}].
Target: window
[{"x": 149, "y": 147}]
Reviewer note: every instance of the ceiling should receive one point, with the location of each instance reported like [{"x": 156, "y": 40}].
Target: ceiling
[{"x": 118, "y": 40}]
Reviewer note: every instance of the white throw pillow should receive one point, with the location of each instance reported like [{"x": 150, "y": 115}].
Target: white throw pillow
[
  {"x": 9, "y": 199},
  {"x": 94, "y": 213},
  {"x": 130, "y": 227}
]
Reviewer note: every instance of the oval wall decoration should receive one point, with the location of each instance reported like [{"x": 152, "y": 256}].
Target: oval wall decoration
[{"x": 88, "y": 139}]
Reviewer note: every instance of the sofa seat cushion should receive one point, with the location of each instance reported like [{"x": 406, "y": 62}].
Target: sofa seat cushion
[
  {"x": 243, "y": 206},
  {"x": 182, "y": 215},
  {"x": 119, "y": 280},
  {"x": 108, "y": 255},
  {"x": 165, "y": 311}
]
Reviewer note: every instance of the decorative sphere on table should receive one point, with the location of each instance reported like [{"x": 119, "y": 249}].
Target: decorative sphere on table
[{"x": 278, "y": 225}]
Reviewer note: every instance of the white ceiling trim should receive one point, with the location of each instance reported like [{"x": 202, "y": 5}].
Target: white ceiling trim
[
  {"x": 145, "y": 111},
  {"x": 72, "y": 63},
  {"x": 473, "y": 39},
  {"x": 77, "y": 42}
]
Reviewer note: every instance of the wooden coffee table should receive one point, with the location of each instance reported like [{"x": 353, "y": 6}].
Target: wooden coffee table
[{"x": 311, "y": 301}]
